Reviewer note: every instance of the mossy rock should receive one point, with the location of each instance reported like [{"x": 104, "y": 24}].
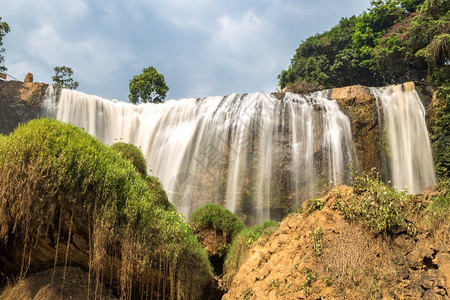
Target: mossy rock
[
  {"x": 65, "y": 198},
  {"x": 215, "y": 228},
  {"x": 133, "y": 154},
  {"x": 213, "y": 216}
]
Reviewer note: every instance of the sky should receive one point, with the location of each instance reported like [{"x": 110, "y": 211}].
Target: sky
[{"x": 202, "y": 47}]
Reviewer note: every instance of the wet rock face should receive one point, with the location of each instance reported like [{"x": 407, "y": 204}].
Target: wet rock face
[
  {"x": 360, "y": 106},
  {"x": 19, "y": 103}
]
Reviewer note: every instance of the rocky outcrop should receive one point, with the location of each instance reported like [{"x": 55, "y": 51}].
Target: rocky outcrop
[
  {"x": 28, "y": 78},
  {"x": 58, "y": 283},
  {"x": 19, "y": 103},
  {"x": 324, "y": 256},
  {"x": 360, "y": 106}
]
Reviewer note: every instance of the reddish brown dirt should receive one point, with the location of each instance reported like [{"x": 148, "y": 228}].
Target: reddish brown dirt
[{"x": 323, "y": 256}]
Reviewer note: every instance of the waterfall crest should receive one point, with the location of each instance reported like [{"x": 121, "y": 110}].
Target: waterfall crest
[
  {"x": 251, "y": 153},
  {"x": 405, "y": 138}
]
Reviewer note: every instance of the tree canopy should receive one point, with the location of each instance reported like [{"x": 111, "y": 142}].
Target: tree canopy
[
  {"x": 149, "y": 86},
  {"x": 4, "y": 29},
  {"x": 377, "y": 47},
  {"x": 63, "y": 78}
]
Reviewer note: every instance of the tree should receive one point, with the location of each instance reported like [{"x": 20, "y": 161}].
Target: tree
[
  {"x": 4, "y": 29},
  {"x": 63, "y": 78},
  {"x": 149, "y": 86}
]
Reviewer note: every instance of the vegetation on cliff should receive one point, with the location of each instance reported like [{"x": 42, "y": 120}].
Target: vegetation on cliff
[
  {"x": 57, "y": 183},
  {"x": 378, "y": 47},
  {"x": 440, "y": 132},
  {"x": 134, "y": 155},
  {"x": 215, "y": 227}
]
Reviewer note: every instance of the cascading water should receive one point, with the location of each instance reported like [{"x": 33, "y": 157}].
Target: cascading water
[
  {"x": 409, "y": 152},
  {"x": 251, "y": 153}
]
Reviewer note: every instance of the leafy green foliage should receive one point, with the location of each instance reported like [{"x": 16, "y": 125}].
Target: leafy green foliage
[
  {"x": 4, "y": 29},
  {"x": 47, "y": 166},
  {"x": 419, "y": 41},
  {"x": 317, "y": 238},
  {"x": 133, "y": 154},
  {"x": 377, "y": 205},
  {"x": 149, "y": 86},
  {"x": 310, "y": 277},
  {"x": 440, "y": 136},
  {"x": 312, "y": 205},
  {"x": 214, "y": 216},
  {"x": 377, "y": 47},
  {"x": 242, "y": 244},
  {"x": 63, "y": 78}
]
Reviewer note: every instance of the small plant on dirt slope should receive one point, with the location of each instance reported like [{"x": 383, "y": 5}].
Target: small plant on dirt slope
[
  {"x": 312, "y": 205},
  {"x": 379, "y": 206},
  {"x": 317, "y": 237},
  {"x": 310, "y": 277}
]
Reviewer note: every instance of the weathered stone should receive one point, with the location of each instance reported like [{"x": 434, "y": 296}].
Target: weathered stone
[
  {"x": 403, "y": 273},
  {"x": 19, "y": 103},
  {"x": 443, "y": 262},
  {"x": 28, "y": 78},
  {"x": 421, "y": 253},
  {"x": 432, "y": 295},
  {"x": 360, "y": 106},
  {"x": 413, "y": 292}
]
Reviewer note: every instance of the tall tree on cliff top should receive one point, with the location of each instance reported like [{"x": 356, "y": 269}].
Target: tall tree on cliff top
[
  {"x": 63, "y": 78},
  {"x": 4, "y": 29},
  {"x": 149, "y": 86}
]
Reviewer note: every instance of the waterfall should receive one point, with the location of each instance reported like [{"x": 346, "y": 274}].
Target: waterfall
[
  {"x": 252, "y": 153},
  {"x": 405, "y": 138}
]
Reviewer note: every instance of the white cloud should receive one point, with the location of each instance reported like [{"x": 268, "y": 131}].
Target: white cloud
[{"x": 202, "y": 46}]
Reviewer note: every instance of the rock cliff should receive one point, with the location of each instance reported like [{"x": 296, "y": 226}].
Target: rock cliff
[{"x": 19, "y": 103}]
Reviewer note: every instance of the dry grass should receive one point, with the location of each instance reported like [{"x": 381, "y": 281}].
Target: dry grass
[{"x": 57, "y": 182}]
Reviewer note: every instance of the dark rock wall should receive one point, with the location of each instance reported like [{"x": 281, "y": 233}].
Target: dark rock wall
[{"x": 19, "y": 103}]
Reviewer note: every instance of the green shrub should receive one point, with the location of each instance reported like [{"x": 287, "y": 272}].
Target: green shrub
[
  {"x": 377, "y": 205},
  {"x": 312, "y": 205},
  {"x": 241, "y": 245},
  {"x": 440, "y": 136},
  {"x": 214, "y": 216},
  {"x": 133, "y": 154},
  {"x": 47, "y": 168}
]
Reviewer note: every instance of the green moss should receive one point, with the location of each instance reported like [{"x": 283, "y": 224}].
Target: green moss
[
  {"x": 214, "y": 216},
  {"x": 242, "y": 244},
  {"x": 47, "y": 166},
  {"x": 133, "y": 154}
]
